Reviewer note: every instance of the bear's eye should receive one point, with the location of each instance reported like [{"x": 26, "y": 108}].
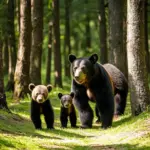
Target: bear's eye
[
  {"x": 83, "y": 69},
  {"x": 37, "y": 94},
  {"x": 74, "y": 69},
  {"x": 43, "y": 94}
]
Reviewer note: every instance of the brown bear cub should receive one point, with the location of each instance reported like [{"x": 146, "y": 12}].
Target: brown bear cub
[
  {"x": 67, "y": 110},
  {"x": 40, "y": 104}
]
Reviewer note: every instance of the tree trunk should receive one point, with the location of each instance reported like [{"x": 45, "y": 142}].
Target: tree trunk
[
  {"x": 57, "y": 52},
  {"x": 144, "y": 18},
  {"x": 5, "y": 56},
  {"x": 102, "y": 32},
  {"x": 138, "y": 77},
  {"x": 3, "y": 103},
  {"x": 11, "y": 46},
  {"x": 67, "y": 49},
  {"x": 49, "y": 56},
  {"x": 37, "y": 40},
  {"x": 21, "y": 77},
  {"x": 18, "y": 14},
  {"x": 87, "y": 31},
  {"x": 117, "y": 55},
  {"x": 125, "y": 37}
]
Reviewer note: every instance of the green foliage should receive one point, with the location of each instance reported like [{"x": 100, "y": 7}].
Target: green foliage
[
  {"x": 17, "y": 130},
  {"x": 3, "y": 20}
]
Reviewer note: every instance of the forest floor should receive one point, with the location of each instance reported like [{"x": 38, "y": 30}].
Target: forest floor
[{"x": 17, "y": 131}]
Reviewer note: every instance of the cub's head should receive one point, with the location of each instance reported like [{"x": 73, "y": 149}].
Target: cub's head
[
  {"x": 82, "y": 69},
  {"x": 39, "y": 93},
  {"x": 66, "y": 100}
]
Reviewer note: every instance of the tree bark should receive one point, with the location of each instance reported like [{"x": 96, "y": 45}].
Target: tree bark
[
  {"x": 11, "y": 45},
  {"x": 3, "y": 102},
  {"x": 138, "y": 77},
  {"x": 21, "y": 77},
  {"x": 67, "y": 49},
  {"x": 144, "y": 18},
  {"x": 5, "y": 55},
  {"x": 102, "y": 32},
  {"x": 37, "y": 40},
  {"x": 57, "y": 52},
  {"x": 117, "y": 55},
  {"x": 87, "y": 29},
  {"x": 49, "y": 56}
]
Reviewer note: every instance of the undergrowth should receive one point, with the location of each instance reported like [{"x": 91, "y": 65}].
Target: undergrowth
[{"x": 17, "y": 130}]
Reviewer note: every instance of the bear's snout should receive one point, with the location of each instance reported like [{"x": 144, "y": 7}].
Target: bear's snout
[{"x": 40, "y": 99}]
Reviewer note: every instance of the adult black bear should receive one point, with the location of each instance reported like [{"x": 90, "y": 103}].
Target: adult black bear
[
  {"x": 120, "y": 84},
  {"x": 67, "y": 110},
  {"x": 91, "y": 82},
  {"x": 40, "y": 104}
]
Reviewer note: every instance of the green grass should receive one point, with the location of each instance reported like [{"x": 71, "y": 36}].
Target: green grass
[{"x": 17, "y": 131}]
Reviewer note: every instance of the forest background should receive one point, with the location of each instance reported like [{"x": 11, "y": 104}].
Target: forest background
[{"x": 36, "y": 37}]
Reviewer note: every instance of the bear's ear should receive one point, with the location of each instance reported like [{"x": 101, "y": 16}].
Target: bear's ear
[
  {"x": 72, "y": 94},
  {"x": 72, "y": 58},
  {"x": 49, "y": 87},
  {"x": 93, "y": 58},
  {"x": 31, "y": 86},
  {"x": 60, "y": 95}
]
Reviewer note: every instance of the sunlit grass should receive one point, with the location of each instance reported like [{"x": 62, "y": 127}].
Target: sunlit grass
[{"x": 17, "y": 130}]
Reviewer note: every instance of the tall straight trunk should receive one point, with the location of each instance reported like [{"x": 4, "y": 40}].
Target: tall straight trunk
[
  {"x": 67, "y": 49},
  {"x": 144, "y": 18},
  {"x": 21, "y": 77},
  {"x": 117, "y": 55},
  {"x": 88, "y": 32},
  {"x": 37, "y": 40},
  {"x": 5, "y": 55},
  {"x": 138, "y": 77},
  {"x": 57, "y": 51},
  {"x": 3, "y": 102},
  {"x": 102, "y": 32},
  {"x": 18, "y": 14},
  {"x": 49, "y": 56},
  {"x": 11, "y": 45},
  {"x": 125, "y": 37}
]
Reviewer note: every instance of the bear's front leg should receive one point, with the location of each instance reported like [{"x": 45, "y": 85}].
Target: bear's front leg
[
  {"x": 73, "y": 118},
  {"x": 85, "y": 112},
  {"x": 105, "y": 105},
  {"x": 36, "y": 121},
  {"x": 48, "y": 114},
  {"x": 63, "y": 118},
  {"x": 97, "y": 115}
]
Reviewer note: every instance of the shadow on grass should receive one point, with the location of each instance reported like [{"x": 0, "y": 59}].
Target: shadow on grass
[
  {"x": 65, "y": 133},
  {"x": 113, "y": 147},
  {"x": 122, "y": 121},
  {"x": 101, "y": 147},
  {"x": 6, "y": 143}
]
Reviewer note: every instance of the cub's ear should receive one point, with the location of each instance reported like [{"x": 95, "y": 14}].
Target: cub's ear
[
  {"x": 72, "y": 94},
  {"x": 31, "y": 86},
  {"x": 72, "y": 58},
  {"x": 49, "y": 87},
  {"x": 60, "y": 95},
  {"x": 93, "y": 58}
]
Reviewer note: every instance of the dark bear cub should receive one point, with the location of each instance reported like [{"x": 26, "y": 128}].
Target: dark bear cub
[
  {"x": 67, "y": 110},
  {"x": 40, "y": 104}
]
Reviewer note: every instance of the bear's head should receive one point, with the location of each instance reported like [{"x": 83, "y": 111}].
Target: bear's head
[
  {"x": 39, "y": 93},
  {"x": 82, "y": 69},
  {"x": 66, "y": 100}
]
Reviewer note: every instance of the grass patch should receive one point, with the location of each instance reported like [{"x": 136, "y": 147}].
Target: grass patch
[{"x": 17, "y": 131}]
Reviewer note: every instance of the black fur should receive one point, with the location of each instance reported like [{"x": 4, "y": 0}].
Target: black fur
[
  {"x": 99, "y": 88},
  {"x": 42, "y": 108}
]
